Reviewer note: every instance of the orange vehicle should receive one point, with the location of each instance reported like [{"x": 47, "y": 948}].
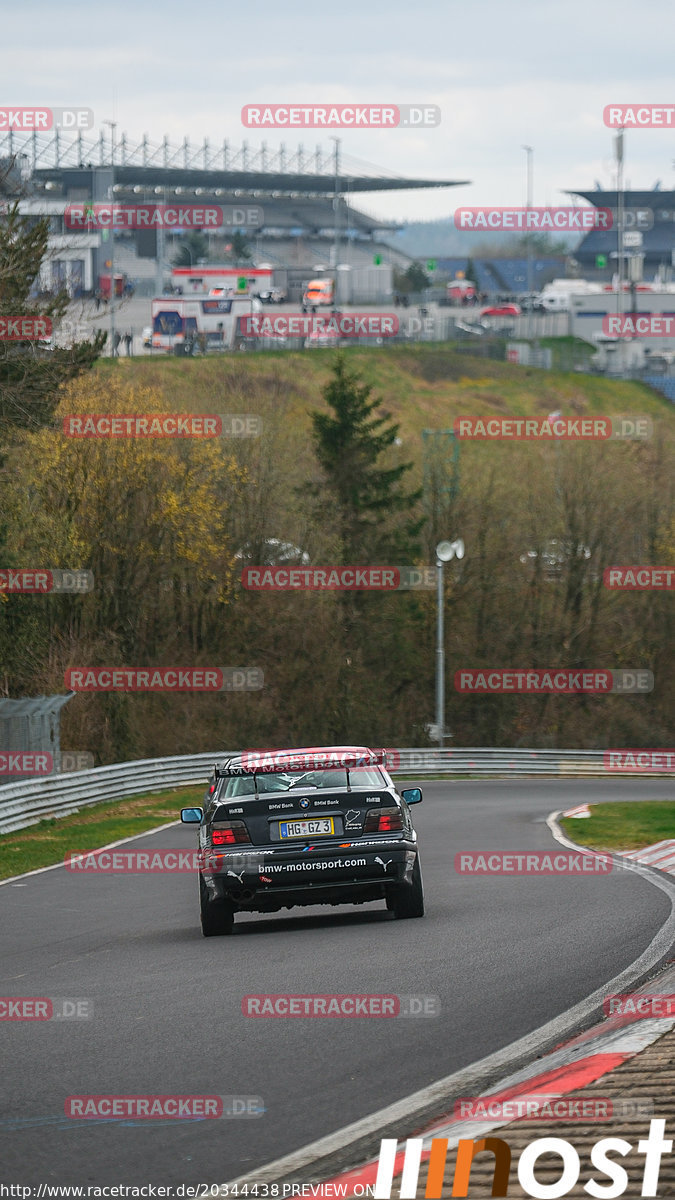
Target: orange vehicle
[{"x": 318, "y": 292}]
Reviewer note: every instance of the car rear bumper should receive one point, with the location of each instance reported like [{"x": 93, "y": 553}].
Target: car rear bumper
[{"x": 269, "y": 879}]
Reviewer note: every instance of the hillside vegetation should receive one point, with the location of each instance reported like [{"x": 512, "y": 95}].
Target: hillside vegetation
[{"x": 159, "y": 523}]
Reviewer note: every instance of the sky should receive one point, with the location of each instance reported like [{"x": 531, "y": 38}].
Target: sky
[{"x": 504, "y": 73}]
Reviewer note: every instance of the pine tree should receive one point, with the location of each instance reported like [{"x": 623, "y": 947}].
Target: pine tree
[
  {"x": 374, "y": 517},
  {"x": 30, "y": 376}
]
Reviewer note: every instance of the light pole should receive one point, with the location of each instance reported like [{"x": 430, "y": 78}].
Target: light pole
[
  {"x": 113, "y": 126},
  {"x": 619, "y": 236},
  {"x": 529, "y": 151},
  {"x": 346, "y": 250},
  {"x": 159, "y": 278},
  {"x": 336, "y": 236},
  {"x": 445, "y": 551}
]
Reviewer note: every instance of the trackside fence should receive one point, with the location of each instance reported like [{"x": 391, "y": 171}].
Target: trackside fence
[{"x": 31, "y": 800}]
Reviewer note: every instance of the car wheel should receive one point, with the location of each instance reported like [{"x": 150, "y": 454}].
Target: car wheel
[
  {"x": 407, "y": 900},
  {"x": 217, "y": 916}
]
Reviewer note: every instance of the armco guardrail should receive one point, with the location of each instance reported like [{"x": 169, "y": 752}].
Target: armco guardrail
[{"x": 31, "y": 800}]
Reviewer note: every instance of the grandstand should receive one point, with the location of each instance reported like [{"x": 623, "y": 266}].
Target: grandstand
[
  {"x": 503, "y": 276},
  {"x": 308, "y": 201},
  {"x": 653, "y": 217}
]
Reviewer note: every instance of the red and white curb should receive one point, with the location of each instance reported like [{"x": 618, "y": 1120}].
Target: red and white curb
[
  {"x": 571, "y": 1064},
  {"x": 581, "y": 810},
  {"x": 661, "y": 855},
  {"x": 565, "y": 1070}
]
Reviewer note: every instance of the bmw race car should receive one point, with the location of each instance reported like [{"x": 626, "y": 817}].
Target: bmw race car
[{"x": 322, "y": 825}]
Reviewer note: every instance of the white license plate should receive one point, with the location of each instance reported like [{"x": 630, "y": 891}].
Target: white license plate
[{"x": 306, "y": 828}]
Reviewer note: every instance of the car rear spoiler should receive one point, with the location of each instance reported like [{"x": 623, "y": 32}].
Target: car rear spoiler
[{"x": 271, "y": 762}]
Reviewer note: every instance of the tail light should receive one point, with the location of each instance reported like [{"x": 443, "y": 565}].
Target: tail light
[
  {"x": 383, "y": 820},
  {"x": 229, "y": 833}
]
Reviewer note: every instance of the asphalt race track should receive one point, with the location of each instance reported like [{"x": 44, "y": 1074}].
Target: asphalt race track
[{"x": 503, "y": 954}]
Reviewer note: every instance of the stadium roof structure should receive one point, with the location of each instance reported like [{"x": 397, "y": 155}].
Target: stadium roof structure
[
  {"x": 653, "y": 216},
  {"x": 67, "y": 160},
  {"x": 632, "y": 198}
]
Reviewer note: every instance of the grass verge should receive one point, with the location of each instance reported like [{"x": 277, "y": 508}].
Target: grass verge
[
  {"x": 623, "y": 826},
  {"x": 48, "y": 842}
]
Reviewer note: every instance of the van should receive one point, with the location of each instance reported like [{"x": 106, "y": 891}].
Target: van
[{"x": 557, "y": 295}]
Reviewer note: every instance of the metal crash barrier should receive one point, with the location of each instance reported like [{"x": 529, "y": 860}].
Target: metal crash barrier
[{"x": 31, "y": 800}]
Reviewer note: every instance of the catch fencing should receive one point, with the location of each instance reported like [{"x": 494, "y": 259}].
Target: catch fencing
[
  {"x": 28, "y": 801},
  {"x": 31, "y": 725}
]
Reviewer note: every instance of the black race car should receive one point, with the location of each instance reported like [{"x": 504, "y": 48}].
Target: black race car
[{"x": 322, "y": 825}]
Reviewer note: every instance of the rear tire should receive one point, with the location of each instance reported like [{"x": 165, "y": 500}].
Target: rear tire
[
  {"x": 217, "y": 916},
  {"x": 407, "y": 900}
]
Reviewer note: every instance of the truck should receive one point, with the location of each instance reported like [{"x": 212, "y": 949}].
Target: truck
[
  {"x": 206, "y": 322},
  {"x": 593, "y": 318},
  {"x": 318, "y": 293}
]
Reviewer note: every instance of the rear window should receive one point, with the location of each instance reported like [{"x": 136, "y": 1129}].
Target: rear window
[
  {"x": 243, "y": 785},
  {"x": 362, "y": 777}
]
